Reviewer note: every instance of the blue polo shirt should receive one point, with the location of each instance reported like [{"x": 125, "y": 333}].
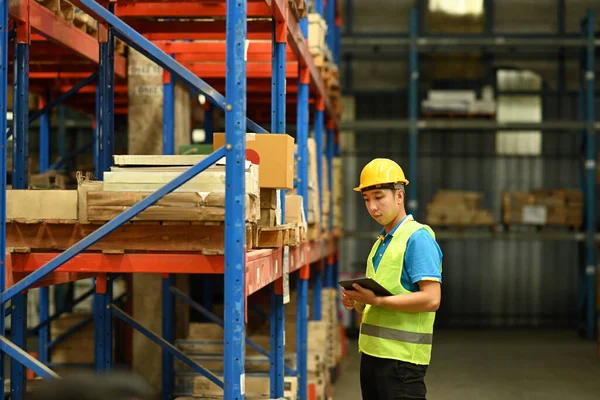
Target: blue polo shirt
[{"x": 421, "y": 259}]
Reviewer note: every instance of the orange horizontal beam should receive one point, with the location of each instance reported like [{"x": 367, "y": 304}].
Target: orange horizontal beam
[
  {"x": 202, "y": 35},
  {"x": 186, "y": 9},
  {"x": 258, "y": 70},
  {"x": 57, "y": 75},
  {"x": 262, "y": 266},
  {"x": 212, "y": 47},
  {"x": 60, "y": 31},
  {"x": 193, "y": 27}
]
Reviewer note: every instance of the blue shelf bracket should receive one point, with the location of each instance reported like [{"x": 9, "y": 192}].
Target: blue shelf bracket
[
  {"x": 123, "y": 316},
  {"x": 17, "y": 353},
  {"x": 413, "y": 101}
]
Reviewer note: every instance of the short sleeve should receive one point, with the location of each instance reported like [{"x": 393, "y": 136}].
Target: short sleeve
[{"x": 423, "y": 257}]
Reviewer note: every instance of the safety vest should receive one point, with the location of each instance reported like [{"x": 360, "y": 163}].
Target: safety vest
[{"x": 387, "y": 333}]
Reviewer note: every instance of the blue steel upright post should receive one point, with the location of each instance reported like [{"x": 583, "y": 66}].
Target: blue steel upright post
[
  {"x": 168, "y": 304},
  {"x": 168, "y": 114},
  {"x": 235, "y": 200},
  {"x": 106, "y": 77},
  {"x": 303, "y": 276},
  {"x": 413, "y": 100},
  {"x": 44, "y": 306},
  {"x": 105, "y": 142},
  {"x": 590, "y": 165},
  {"x": 278, "y": 103},
  {"x": 329, "y": 281},
  {"x": 318, "y": 127},
  {"x": 44, "y": 134},
  {"x": 20, "y": 175},
  {"x": 3, "y": 110}
]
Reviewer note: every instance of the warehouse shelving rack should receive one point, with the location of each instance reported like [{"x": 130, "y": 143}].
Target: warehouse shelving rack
[
  {"x": 245, "y": 272},
  {"x": 527, "y": 46}
]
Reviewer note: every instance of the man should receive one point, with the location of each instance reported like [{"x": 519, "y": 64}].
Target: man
[{"x": 396, "y": 331}]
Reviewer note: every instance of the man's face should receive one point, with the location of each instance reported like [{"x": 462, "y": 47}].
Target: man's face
[{"x": 383, "y": 204}]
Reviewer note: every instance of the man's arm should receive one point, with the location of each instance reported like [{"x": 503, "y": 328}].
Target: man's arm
[
  {"x": 422, "y": 265},
  {"x": 428, "y": 298}
]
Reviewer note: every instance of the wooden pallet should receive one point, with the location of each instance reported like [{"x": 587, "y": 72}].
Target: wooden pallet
[{"x": 165, "y": 236}]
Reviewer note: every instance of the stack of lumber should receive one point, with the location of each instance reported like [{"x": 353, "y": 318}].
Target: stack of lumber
[
  {"x": 562, "y": 207},
  {"x": 200, "y": 201},
  {"x": 205, "y": 346},
  {"x": 459, "y": 208},
  {"x": 272, "y": 232},
  {"x": 294, "y": 216}
]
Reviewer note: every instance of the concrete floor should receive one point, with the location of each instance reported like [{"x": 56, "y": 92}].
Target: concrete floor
[{"x": 496, "y": 365}]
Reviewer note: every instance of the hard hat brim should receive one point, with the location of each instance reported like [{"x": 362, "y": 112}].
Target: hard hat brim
[{"x": 379, "y": 186}]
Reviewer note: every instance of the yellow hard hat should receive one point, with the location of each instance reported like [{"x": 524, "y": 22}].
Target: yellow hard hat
[{"x": 381, "y": 172}]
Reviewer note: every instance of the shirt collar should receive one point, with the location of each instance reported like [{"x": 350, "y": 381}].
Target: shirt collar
[{"x": 394, "y": 229}]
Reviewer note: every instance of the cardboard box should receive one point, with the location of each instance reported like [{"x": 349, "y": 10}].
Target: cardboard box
[
  {"x": 276, "y": 152},
  {"x": 294, "y": 209}
]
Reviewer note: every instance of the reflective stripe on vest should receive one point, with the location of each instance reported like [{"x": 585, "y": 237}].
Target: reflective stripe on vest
[
  {"x": 387, "y": 333},
  {"x": 396, "y": 334}
]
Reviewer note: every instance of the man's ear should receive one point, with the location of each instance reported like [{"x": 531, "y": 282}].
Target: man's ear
[{"x": 399, "y": 196}]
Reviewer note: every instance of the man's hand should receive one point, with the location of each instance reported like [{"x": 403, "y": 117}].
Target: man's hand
[
  {"x": 361, "y": 295},
  {"x": 347, "y": 302}
]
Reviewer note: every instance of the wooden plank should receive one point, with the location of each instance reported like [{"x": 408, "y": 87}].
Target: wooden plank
[
  {"x": 212, "y": 180},
  {"x": 104, "y": 206},
  {"x": 268, "y": 198},
  {"x": 166, "y": 160},
  {"x": 270, "y": 238},
  {"x": 38, "y": 205},
  {"x": 82, "y": 189},
  {"x": 131, "y": 237},
  {"x": 267, "y": 217}
]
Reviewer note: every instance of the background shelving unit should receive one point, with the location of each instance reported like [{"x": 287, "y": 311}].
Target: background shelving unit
[
  {"x": 416, "y": 44},
  {"x": 89, "y": 75}
]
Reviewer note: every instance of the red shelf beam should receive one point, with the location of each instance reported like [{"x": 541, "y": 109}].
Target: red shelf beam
[
  {"x": 60, "y": 31},
  {"x": 262, "y": 266}
]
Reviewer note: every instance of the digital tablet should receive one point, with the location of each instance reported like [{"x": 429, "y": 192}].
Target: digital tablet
[{"x": 367, "y": 283}]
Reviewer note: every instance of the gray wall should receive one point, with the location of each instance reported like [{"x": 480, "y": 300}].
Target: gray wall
[{"x": 486, "y": 283}]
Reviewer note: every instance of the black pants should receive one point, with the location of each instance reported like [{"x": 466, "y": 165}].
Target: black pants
[{"x": 384, "y": 379}]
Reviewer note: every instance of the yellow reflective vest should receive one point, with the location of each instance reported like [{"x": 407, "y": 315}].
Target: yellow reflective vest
[{"x": 392, "y": 334}]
